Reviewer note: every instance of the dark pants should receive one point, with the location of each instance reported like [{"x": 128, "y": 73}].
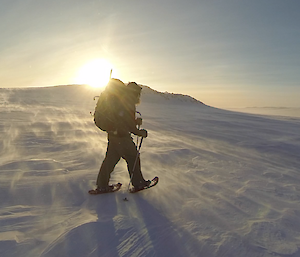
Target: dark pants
[{"x": 120, "y": 147}]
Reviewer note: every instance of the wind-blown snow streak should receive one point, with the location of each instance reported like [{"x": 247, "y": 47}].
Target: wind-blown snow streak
[{"x": 229, "y": 182}]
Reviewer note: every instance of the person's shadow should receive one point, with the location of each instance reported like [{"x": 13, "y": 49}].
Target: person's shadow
[{"x": 124, "y": 228}]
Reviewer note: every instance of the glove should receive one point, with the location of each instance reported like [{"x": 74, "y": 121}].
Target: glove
[
  {"x": 143, "y": 133},
  {"x": 139, "y": 121}
]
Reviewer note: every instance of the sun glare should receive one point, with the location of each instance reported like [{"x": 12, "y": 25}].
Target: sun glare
[{"x": 95, "y": 73}]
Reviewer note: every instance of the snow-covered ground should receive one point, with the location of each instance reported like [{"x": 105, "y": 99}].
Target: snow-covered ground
[
  {"x": 277, "y": 111},
  {"x": 229, "y": 182}
]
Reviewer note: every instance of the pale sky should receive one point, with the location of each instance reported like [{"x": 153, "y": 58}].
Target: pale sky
[{"x": 226, "y": 53}]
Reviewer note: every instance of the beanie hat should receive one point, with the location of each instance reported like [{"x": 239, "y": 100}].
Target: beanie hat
[{"x": 134, "y": 87}]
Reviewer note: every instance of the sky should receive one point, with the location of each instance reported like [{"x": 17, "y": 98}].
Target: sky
[{"x": 227, "y": 54}]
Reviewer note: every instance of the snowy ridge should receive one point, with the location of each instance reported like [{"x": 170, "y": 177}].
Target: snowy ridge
[
  {"x": 151, "y": 95},
  {"x": 229, "y": 182},
  {"x": 82, "y": 94}
]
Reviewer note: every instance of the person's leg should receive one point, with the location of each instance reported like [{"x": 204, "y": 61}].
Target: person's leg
[
  {"x": 131, "y": 156},
  {"x": 111, "y": 159}
]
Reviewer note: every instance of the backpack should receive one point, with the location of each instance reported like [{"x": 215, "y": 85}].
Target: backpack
[{"x": 109, "y": 105}]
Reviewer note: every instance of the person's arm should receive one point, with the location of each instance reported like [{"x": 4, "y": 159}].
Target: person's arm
[{"x": 131, "y": 124}]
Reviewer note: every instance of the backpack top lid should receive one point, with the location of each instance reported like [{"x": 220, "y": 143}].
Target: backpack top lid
[{"x": 114, "y": 85}]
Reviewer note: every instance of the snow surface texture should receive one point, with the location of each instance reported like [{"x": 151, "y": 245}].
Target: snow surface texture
[{"x": 229, "y": 182}]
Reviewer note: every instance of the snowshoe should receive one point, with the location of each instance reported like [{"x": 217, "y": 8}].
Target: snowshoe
[
  {"x": 104, "y": 190},
  {"x": 150, "y": 183}
]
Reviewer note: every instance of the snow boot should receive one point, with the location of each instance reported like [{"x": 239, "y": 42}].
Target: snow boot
[{"x": 142, "y": 185}]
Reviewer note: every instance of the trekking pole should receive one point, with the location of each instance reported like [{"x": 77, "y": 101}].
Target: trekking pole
[
  {"x": 137, "y": 138},
  {"x": 136, "y": 158}
]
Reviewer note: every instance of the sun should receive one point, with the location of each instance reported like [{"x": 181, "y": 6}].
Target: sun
[{"x": 95, "y": 73}]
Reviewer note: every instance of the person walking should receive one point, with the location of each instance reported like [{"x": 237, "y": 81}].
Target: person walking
[{"x": 120, "y": 143}]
